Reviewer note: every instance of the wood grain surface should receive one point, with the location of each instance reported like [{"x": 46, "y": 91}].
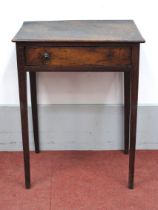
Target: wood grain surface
[
  {"x": 79, "y": 31},
  {"x": 67, "y": 56}
]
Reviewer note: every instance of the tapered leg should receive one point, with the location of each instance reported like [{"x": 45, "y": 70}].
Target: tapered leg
[
  {"x": 133, "y": 118},
  {"x": 22, "y": 80},
  {"x": 33, "y": 90},
  {"x": 24, "y": 124},
  {"x": 126, "y": 110}
]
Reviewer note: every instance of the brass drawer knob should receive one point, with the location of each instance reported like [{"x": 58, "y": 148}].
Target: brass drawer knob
[{"x": 45, "y": 57}]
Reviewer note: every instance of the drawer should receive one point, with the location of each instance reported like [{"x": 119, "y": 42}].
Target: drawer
[{"x": 76, "y": 56}]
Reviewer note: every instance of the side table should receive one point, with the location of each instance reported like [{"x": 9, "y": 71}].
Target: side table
[{"x": 79, "y": 46}]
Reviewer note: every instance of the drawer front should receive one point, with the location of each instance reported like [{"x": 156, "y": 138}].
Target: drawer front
[{"x": 76, "y": 56}]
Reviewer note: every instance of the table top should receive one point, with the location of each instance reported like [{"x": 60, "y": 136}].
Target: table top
[{"x": 79, "y": 31}]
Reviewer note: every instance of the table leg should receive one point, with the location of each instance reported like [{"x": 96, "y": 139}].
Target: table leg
[
  {"x": 33, "y": 90},
  {"x": 22, "y": 80},
  {"x": 24, "y": 123},
  {"x": 133, "y": 118},
  {"x": 126, "y": 110}
]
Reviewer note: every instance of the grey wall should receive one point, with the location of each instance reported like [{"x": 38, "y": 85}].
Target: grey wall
[{"x": 79, "y": 127}]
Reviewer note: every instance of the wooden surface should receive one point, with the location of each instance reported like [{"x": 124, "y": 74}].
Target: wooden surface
[
  {"x": 79, "y": 31},
  {"x": 67, "y": 56}
]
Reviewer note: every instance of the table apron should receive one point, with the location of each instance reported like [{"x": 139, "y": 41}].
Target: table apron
[{"x": 83, "y": 68}]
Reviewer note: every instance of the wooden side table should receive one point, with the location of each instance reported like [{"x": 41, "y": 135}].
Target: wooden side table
[{"x": 79, "y": 46}]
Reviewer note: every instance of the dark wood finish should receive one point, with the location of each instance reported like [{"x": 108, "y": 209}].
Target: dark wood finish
[
  {"x": 79, "y": 31},
  {"x": 34, "y": 109},
  {"x": 93, "y": 46},
  {"x": 80, "y": 68},
  {"x": 127, "y": 81},
  {"x": 22, "y": 78},
  {"x": 133, "y": 112},
  {"x": 76, "y": 56},
  {"x": 77, "y": 44}
]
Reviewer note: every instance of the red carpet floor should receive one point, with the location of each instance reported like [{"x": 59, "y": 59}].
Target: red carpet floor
[{"x": 73, "y": 180}]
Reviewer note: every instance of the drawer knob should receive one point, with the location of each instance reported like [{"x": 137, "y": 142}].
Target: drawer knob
[{"x": 46, "y": 57}]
